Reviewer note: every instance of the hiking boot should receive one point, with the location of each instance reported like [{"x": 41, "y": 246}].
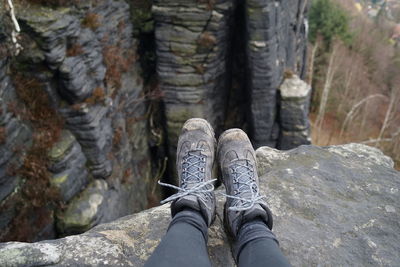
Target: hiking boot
[
  {"x": 194, "y": 162},
  {"x": 244, "y": 203}
]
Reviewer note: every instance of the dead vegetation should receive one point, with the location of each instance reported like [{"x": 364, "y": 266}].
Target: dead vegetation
[
  {"x": 74, "y": 50},
  {"x": 117, "y": 138},
  {"x": 356, "y": 88},
  {"x": 117, "y": 61},
  {"x": 206, "y": 40},
  {"x": 2, "y": 135},
  {"x": 91, "y": 21},
  {"x": 37, "y": 195},
  {"x": 98, "y": 96}
]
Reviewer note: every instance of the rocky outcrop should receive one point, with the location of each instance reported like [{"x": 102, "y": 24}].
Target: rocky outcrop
[
  {"x": 277, "y": 42},
  {"x": 192, "y": 49},
  {"x": 295, "y": 97},
  {"x": 77, "y": 129},
  {"x": 197, "y": 44},
  {"x": 334, "y": 206},
  {"x": 82, "y": 57}
]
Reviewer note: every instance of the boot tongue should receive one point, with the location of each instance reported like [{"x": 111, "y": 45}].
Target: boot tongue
[
  {"x": 193, "y": 164},
  {"x": 244, "y": 179}
]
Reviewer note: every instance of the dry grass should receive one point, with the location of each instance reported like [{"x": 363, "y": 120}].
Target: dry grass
[
  {"x": 117, "y": 62},
  {"x": 288, "y": 74},
  {"x": 117, "y": 138},
  {"x": 126, "y": 177},
  {"x": 97, "y": 97},
  {"x": 2, "y": 135},
  {"x": 91, "y": 21},
  {"x": 75, "y": 50},
  {"x": 36, "y": 194}
]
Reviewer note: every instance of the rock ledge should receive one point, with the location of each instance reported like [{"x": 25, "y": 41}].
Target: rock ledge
[{"x": 336, "y": 205}]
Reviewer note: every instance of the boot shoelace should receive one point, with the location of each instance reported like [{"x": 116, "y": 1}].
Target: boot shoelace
[
  {"x": 243, "y": 178},
  {"x": 193, "y": 174}
]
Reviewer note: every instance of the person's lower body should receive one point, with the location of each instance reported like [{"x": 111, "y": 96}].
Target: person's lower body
[
  {"x": 257, "y": 246},
  {"x": 185, "y": 243},
  {"x": 247, "y": 217}
]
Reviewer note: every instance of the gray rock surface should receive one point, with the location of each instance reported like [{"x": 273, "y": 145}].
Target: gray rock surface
[
  {"x": 276, "y": 43},
  {"x": 221, "y": 60},
  {"x": 295, "y": 97},
  {"x": 195, "y": 52},
  {"x": 332, "y": 206},
  {"x": 192, "y": 48},
  {"x": 84, "y": 59}
]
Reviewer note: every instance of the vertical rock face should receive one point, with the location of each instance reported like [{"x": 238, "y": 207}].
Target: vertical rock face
[
  {"x": 195, "y": 51},
  {"x": 192, "y": 46},
  {"x": 295, "y": 96},
  {"x": 277, "y": 41},
  {"x": 82, "y": 57},
  {"x": 74, "y": 129}
]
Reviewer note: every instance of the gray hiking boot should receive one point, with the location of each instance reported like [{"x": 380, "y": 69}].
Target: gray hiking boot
[
  {"x": 194, "y": 162},
  {"x": 244, "y": 203}
]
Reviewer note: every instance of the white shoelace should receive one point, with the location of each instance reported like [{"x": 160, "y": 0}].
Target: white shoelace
[
  {"x": 193, "y": 168},
  {"x": 246, "y": 183}
]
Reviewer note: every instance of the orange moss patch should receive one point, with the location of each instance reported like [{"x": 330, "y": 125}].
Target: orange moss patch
[
  {"x": 126, "y": 178},
  {"x": 98, "y": 96},
  {"x": 199, "y": 68},
  {"x": 288, "y": 74},
  {"x": 36, "y": 196},
  {"x": 117, "y": 138},
  {"x": 207, "y": 40},
  {"x": 91, "y": 21},
  {"x": 74, "y": 50},
  {"x": 117, "y": 62},
  {"x": 2, "y": 135}
]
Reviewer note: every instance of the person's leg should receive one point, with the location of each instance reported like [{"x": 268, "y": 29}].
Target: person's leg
[
  {"x": 184, "y": 244},
  {"x": 247, "y": 217},
  {"x": 193, "y": 206},
  {"x": 257, "y": 246}
]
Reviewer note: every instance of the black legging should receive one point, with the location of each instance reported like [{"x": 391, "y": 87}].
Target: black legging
[{"x": 185, "y": 244}]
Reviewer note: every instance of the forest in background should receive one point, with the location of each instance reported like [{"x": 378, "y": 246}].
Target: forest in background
[{"x": 354, "y": 68}]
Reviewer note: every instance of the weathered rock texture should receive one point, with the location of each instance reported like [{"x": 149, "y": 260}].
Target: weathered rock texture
[
  {"x": 76, "y": 135},
  {"x": 82, "y": 57},
  {"x": 277, "y": 42},
  {"x": 332, "y": 206},
  {"x": 295, "y": 97},
  {"x": 197, "y": 42},
  {"x": 192, "y": 46}
]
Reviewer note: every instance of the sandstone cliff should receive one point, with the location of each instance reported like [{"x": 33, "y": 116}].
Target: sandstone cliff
[{"x": 92, "y": 106}]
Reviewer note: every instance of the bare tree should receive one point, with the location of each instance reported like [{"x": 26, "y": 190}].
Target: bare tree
[
  {"x": 327, "y": 86},
  {"x": 351, "y": 114}
]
